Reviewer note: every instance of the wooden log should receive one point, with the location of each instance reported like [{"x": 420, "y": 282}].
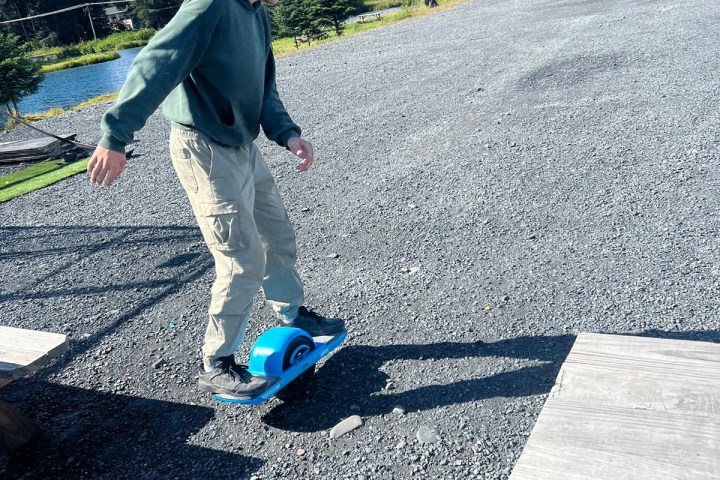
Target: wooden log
[{"x": 15, "y": 428}]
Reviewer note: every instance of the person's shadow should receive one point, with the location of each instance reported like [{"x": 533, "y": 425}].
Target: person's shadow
[
  {"x": 90, "y": 434},
  {"x": 353, "y": 378},
  {"x": 352, "y": 382}
]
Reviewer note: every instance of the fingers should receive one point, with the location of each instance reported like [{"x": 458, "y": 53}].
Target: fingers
[
  {"x": 105, "y": 166},
  {"x": 305, "y": 151},
  {"x": 305, "y": 165}
]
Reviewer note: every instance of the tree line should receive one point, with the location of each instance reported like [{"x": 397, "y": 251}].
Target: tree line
[
  {"x": 288, "y": 18},
  {"x": 20, "y": 77}
]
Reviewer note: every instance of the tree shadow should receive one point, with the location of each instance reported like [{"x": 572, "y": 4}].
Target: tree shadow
[
  {"x": 88, "y": 434},
  {"x": 47, "y": 257}
]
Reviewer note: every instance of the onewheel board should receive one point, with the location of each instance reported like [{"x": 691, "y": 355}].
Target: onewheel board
[{"x": 281, "y": 355}]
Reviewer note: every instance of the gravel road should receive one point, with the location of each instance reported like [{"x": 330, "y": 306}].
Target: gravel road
[{"x": 490, "y": 181}]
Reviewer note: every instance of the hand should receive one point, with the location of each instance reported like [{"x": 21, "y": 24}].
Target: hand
[
  {"x": 105, "y": 166},
  {"x": 301, "y": 149}
]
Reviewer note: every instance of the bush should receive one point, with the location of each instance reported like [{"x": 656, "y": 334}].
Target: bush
[
  {"x": 69, "y": 52},
  {"x": 133, "y": 44},
  {"x": 116, "y": 41}
]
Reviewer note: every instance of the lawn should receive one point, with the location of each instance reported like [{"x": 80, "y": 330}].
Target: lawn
[{"x": 38, "y": 176}]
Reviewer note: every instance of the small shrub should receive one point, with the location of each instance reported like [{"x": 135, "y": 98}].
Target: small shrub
[
  {"x": 404, "y": 12},
  {"x": 69, "y": 52}
]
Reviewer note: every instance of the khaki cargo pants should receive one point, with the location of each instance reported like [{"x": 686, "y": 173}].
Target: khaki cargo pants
[{"x": 246, "y": 227}]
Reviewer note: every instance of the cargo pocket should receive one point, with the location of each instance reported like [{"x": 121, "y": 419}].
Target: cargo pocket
[
  {"x": 222, "y": 221},
  {"x": 182, "y": 161}
]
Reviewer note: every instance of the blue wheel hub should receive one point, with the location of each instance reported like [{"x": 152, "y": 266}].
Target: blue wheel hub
[{"x": 268, "y": 355}]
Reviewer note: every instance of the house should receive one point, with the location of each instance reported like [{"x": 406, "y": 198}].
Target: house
[{"x": 121, "y": 16}]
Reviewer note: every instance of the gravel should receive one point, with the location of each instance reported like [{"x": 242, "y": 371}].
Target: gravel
[{"x": 490, "y": 181}]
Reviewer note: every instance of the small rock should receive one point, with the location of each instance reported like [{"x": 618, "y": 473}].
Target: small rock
[
  {"x": 333, "y": 255},
  {"x": 401, "y": 444},
  {"x": 355, "y": 407},
  {"x": 427, "y": 435},
  {"x": 305, "y": 209},
  {"x": 346, "y": 426},
  {"x": 159, "y": 363},
  {"x": 300, "y": 452},
  {"x": 399, "y": 410}
]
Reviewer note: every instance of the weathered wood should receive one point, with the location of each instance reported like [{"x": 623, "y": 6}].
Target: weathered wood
[
  {"x": 24, "y": 351},
  {"x": 34, "y": 149},
  {"x": 21, "y": 353},
  {"x": 629, "y": 408},
  {"x": 578, "y": 441},
  {"x": 15, "y": 428},
  {"x": 640, "y": 372}
]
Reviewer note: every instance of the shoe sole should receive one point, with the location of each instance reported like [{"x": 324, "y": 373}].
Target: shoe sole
[{"x": 232, "y": 393}]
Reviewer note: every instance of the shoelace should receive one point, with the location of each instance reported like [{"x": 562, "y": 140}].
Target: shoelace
[
  {"x": 236, "y": 372},
  {"x": 240, "y": 373},
  {"x": 304, "y": 312}
]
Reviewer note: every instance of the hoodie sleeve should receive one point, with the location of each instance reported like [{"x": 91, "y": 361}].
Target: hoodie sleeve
[
  {"x": 163, "y": 63},
  {"x": 275, "y": 121}
]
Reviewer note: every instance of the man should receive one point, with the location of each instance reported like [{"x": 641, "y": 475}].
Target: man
[{"x": 214, "y": 63}]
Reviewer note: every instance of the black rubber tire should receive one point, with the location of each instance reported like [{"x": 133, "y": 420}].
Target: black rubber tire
[{"x": 299, "y": 387}]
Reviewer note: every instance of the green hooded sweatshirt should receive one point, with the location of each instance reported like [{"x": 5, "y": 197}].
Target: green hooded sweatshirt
[{"x": 214, "y": 67}]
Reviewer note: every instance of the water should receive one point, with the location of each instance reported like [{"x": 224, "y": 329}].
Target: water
[{"x": 66, "y": 88}]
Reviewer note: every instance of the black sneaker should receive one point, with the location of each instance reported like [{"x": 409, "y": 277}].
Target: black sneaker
[
  {"x": 229, "y": 378},
  {"x": 317, "y": 325}
]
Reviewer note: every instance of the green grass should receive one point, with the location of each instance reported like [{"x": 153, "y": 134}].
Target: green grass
[
  {"x": 38, "y": 176},
  {"x": 286, "y": 46},
  {"x": 80, "y": 61},
  {"x": 95, "y": 51}
]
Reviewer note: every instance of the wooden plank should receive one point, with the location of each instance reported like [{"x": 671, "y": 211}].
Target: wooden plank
[
  {"x": 24, "y": 351},
  {"x": 628, "y": 407},
  {"x": 21, "y": 353},
  {"x": 637, "y": 372},
  {"x": 33, "y": 144},
  {"x": 649, "y": 354},
  {"x": 15, "y": 428},
  {"x": 34, "y": 149},
  {"x": 31, "y": 340},
  {"x": 577, "y": 441}
]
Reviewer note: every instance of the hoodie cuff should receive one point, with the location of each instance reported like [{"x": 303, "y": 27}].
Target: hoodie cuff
[
  {"x": 111, "y": 143},
  {"x": 287, "y": 135}
]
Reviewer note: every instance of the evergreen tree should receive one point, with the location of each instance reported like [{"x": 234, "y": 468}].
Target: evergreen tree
[
  {"x": 332, "y": 13},
  {"x": 294, "y": 18},
  {"x": 60, "y": 29},
  {"x": 18, "y": 75}
]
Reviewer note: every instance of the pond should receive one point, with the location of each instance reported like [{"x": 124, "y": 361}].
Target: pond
[{"x": 66, "y": 88}]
